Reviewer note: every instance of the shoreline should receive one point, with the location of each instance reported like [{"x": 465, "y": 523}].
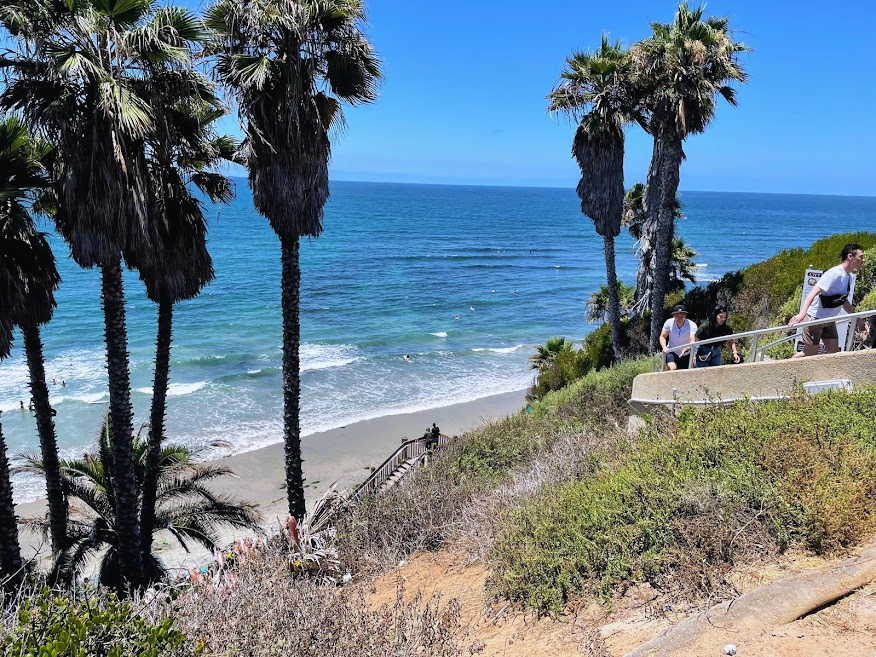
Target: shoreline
[{"x": 343, "y": 455}]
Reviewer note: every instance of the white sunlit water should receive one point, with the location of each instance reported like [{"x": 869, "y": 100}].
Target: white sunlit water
[{"x": 464, "y": 280}]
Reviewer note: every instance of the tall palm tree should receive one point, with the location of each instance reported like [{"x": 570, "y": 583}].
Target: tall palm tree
[
  {"x": 11, "y": 564},
  {"x": 290, "y": 64},
  {"x": 183, "y": 150},
  {"x": 683, "y": 67},
  {"x": 185, "y": 506},
  {"x": 596, "y": 89},
  {"x": 25, "y": 255},
  {"x": 77, "y": 72}
]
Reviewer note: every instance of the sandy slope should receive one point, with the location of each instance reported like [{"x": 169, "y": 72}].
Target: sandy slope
[{"x": 844, "y": 629}]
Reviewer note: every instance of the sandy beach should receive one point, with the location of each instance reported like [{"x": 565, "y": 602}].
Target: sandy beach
[{"x": 344, "y": 455}]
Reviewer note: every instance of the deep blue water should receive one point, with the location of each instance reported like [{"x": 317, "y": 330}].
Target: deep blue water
[{"x": 464, "y": 279}]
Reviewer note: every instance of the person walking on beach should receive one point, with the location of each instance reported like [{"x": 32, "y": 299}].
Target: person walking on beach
[
  {"x": 677, "y": 330},
  {"x": 709, "y": 355},
  {"x": 828, "y": 298}
]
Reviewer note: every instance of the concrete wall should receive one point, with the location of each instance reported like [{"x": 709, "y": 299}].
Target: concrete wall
[{"x": 762, "y": 379}]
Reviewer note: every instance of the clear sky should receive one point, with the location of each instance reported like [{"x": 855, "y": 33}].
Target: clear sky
[{"x": 463, "y": 100}]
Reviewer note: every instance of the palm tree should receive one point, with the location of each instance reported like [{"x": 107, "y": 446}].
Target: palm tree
[
  {"x": 547, "y": 353},
  {"x": 290, "y": 64},
  {"x": 11, "y": 565},
  {"x": 185, "y": 506},
  {"x": 635, "y": 220},
  {"x": 681, "y": 267},
  {"x": 78, "y": 70},
  {"x": 683, "y": 67},
  {"x": 597, "y": 90},
  {"x": 25, "y": 255},
  {"x": 182, "y": 153},
  {"x": 597, "y": 304}
]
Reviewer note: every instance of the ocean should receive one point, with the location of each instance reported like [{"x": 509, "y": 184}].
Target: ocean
[{"x": 464, "y": 280}]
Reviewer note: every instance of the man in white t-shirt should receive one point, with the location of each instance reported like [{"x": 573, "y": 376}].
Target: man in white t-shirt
[
  {"x": 677, "y": 330},
  {"x": 828, "y": 298}
]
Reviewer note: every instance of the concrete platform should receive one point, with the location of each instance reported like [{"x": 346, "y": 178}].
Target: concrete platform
[{"x": 764, "y": 380}]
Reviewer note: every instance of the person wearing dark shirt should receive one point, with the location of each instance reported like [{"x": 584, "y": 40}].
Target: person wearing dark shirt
[{"x": 709, "y": 355}]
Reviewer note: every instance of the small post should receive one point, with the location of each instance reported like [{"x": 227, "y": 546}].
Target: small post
[{"x": 754, "y": 348}]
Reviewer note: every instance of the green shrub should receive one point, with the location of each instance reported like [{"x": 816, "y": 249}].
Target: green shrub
[
  {"x": 684, "y": 496},
  {"x": 757, "y": 294},
  {"x": 866, "y": 283},
  {"x": 598, "y": 349},
  {"x": 51, "y": 625}
]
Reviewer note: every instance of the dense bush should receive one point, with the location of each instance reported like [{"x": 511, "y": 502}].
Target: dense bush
[
  {"x": 50, "y": 625},
  {"x": 693, "y": 494}
]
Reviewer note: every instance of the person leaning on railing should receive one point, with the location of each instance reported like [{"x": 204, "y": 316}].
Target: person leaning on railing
[{"x": 828, "y": 297}]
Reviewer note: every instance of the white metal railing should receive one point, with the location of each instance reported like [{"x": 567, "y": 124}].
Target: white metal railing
[{"x": 660, "y": 358}]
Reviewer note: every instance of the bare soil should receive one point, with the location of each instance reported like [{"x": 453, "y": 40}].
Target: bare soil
[{"x": 497, "y": 628}]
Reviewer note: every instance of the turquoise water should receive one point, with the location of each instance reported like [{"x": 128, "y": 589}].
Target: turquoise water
[{"x": 464, "y": 279}]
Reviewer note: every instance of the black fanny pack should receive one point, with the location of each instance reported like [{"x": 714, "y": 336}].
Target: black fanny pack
[{"x": 833, "y": 300}]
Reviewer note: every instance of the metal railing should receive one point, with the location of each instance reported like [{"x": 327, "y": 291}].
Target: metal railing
[
  {"x": 660, "y": 358},
  {"x": 410, "y": 449}
]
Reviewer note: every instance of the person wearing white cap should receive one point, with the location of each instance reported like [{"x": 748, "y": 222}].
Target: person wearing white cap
[{"x": 677, "y": 330}]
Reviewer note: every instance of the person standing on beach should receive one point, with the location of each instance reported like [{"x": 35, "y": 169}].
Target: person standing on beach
[
  {"x": 828, "y": 298},
  {"x": 676, "y": 331}
]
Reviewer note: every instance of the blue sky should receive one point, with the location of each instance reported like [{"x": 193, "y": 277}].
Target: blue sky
[{"x": 463, "y": 100}]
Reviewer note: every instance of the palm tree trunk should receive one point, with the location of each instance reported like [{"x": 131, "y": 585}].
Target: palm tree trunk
[
  {"x": 613, "y": 299},
  {"x": 118, "y": 371},
  {"x": 11, "y": 571},
  {"x": 55, "y": 496},
  {"x": 651, "y": 204},
  {"x": 156, "y": 425},
  {"x": 669, "y": 176},
  {"x": 291, "y": 284}
]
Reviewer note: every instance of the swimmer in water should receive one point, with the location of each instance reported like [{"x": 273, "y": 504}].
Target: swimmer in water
[{"x": 408, "y": 358}]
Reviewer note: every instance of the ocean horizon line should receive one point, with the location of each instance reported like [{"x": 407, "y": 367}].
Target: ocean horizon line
[{"x": 572, "y": 188}]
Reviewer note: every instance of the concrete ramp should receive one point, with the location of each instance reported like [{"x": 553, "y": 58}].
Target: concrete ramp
[{"x": 764, "y": 380}]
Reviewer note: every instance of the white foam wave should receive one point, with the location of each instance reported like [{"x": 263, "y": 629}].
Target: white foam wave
[
  {"x": 177, "y": 389},
  {"x": 500, "y": 350},
  {"x": 322, "y": 356},
  {"x": 440, "y": 334}
]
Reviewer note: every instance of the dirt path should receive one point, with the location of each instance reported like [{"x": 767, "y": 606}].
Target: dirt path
[{"x": 844, "y": 629}]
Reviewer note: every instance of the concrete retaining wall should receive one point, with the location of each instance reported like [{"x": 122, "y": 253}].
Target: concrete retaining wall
[{"x": 762, "y": 379}]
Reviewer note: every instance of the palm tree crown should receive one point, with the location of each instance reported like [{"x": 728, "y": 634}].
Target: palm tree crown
[
  {"x": 685, "y": 65},
  {"x": 185, "y": 505},
  {"x": 596, "y": 90},
  {"x": 290, "y": 64},
  {"x": 28, "y": 276}
]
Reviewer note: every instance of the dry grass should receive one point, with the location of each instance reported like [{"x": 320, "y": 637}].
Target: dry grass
[{"x": 265, "y": 612}]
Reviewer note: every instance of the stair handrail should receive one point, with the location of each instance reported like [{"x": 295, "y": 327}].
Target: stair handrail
[
  {"x": 414, "y": 448},
  {"x": 660, "y": 357}
]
